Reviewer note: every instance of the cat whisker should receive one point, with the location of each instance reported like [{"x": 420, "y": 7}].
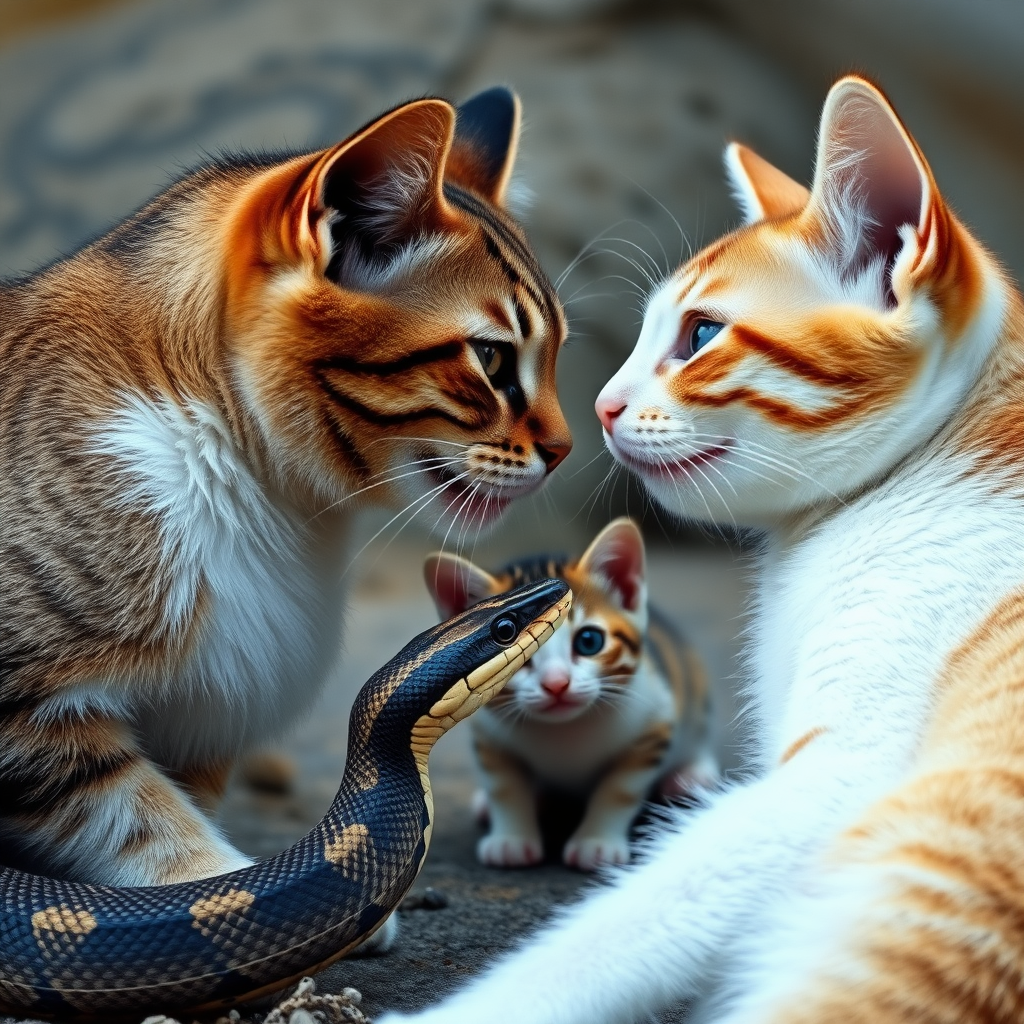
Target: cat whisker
[
  {"x": 651, "y": 279},
  {"x": 712, "y": 520},
  {"x": 603, "y": 451},
  {"x": 594, "y": 496},
  {"x": 683, "y": 240},
  {"x": 586, "y": 252},
  {"x": 428, "y": 440},
  {"x": 416, "y": 504},
  {"x": 424, "y": 465}
]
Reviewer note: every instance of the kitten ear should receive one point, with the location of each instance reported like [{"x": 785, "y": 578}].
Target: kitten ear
[
  {"x": 761, "y": 189},
  {"x": 617, "y": 555},
  {"x": 486, "y": 140},
  {"x": 873, "y": 190},
  {"x": 375, "y": 190},
  {"x": 455, "y": 583}
]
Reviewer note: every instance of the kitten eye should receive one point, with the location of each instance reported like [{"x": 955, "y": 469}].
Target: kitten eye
[
  {"x": 504, "y": 630},
  {"x": 702, "y": 332},
  {"x": 490, "y": 357},
  {"x": 588, "y": 641}
]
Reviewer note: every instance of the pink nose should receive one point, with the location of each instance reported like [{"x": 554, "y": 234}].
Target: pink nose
[
  {"x": 555, "y": 685},
  {"x": 608, "y": 410}
]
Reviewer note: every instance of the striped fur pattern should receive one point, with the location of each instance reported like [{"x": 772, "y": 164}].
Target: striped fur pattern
[
  {"x": 189, "y": 409},
  {"x": 846, "y": 373},
  {"x": 614, "y": 705}
]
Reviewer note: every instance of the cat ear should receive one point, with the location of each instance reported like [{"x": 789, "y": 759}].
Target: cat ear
[
  {"x": 872, "y": 188},
  {"x": 455, "y": 583},
  {"x": 617, "y": 555},
  {"x": 376, "y": 190},
  {"x": 761, "y": 189},
  {"x": 486, "y": 139}
]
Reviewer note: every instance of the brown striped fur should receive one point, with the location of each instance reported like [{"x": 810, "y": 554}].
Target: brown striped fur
[{"x": 189, "y": 408}]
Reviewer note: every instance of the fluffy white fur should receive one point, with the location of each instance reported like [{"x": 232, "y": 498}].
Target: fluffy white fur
[{"x": 863, "y": 590}]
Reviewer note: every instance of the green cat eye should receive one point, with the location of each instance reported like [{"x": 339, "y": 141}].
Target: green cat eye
[{"x": 588, "y": 641}]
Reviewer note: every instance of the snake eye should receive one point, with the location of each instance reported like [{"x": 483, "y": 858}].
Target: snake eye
[{"x": 504, "y": 630}]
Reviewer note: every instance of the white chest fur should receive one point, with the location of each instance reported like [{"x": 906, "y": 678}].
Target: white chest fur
[
  {"x": 258, "y": 582},
  {"x": 855, "y": 620}
]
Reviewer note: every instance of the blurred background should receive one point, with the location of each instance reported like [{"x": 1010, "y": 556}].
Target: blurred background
[
  {"x": 627, "y": 103},
  {"x": 627, "y": 106}
]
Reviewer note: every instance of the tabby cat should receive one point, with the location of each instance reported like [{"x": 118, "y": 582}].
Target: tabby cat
[
  {"x": 188, "y": 405},
  {"x": 847, "y": 369},
  {"x": 614, "y": 703}
]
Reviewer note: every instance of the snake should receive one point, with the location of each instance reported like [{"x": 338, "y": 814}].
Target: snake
[{"x": 72, "y": 950}]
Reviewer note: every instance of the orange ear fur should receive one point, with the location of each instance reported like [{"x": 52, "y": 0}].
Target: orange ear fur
[
  {"x": 869, "y": 161},
  {"x": 393, "y": 168},
  {"x": 617, "y": 554},
  {"x": 760, "y": 188}
]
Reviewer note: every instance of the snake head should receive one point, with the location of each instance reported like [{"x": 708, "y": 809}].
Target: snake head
[{"x": 449, "y": 671}]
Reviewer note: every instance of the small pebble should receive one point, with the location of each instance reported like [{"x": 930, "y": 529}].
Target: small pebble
[{"x": 429, "y": 899}]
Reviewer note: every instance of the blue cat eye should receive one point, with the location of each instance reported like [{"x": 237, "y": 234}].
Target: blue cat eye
[
  {"x": 702, "y": 332},
  {"x": 588, "y": 641}
]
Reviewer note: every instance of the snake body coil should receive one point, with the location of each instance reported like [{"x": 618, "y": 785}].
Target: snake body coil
[{"x": 69, "y": 949}]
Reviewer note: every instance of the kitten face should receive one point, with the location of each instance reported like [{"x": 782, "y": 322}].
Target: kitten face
[
  {"x": 805, "y": 354},
  {"x": 594, "y": 656},
  {"x": 393, "y": 331}
]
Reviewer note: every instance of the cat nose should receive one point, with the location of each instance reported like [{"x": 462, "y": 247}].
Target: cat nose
[
  {"x": 608, "y": 410},
  {"x": 555, "y": 684},
  {"x": 554, "y": 451}
]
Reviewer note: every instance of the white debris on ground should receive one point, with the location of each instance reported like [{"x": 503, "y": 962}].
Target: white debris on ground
[{"x": 303, "y": 1006}]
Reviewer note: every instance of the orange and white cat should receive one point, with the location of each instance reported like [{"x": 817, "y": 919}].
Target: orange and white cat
[
  {"x": 615, "y": 703},
  {"x": 846, "y": 374},
  {"x": 187, "y": 407}
]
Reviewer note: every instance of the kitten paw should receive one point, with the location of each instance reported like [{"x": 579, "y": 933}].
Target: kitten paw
[
  {"x": 505, "y": 851},
  {"x": 588, "y": 853},
  {"x": 481, "y": 807}
]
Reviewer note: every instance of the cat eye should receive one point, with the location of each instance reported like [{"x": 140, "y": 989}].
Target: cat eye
[
  {"x": 701, "y": 334},
  {"x": 588, "y": 641},
  {"x": 490, "y": 357},
  {"x": 498, "y": 359},
  {"x": 504, "y": 630}
]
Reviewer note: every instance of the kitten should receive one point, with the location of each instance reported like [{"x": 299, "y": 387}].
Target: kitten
[
  {"x": 612, "y": 704},
  {"x": 847, "y": 371},
  {"x": 190, "y": 407}
]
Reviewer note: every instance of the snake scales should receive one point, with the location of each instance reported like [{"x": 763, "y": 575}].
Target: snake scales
[{"x": 78, "y": 950}]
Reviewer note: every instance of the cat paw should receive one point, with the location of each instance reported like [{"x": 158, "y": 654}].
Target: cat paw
[
  {"x": 588, "y": 853},
  {"x": 505, "y": 851},
  {"x": 381, "y": 940}
]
